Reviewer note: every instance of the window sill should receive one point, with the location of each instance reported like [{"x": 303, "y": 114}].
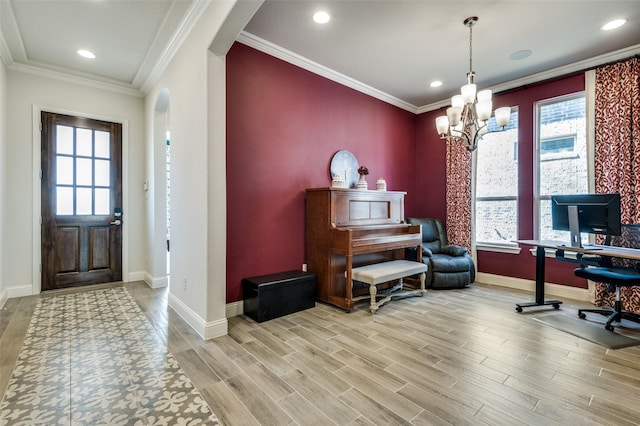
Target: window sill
[
  {"x": 559, "y": 156},
  {"x": 499, "y": 248}
]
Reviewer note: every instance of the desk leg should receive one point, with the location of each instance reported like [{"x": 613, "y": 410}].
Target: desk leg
[{"x": 540, "y": 263}]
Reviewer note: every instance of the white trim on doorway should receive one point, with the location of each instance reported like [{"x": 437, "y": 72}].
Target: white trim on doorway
[{"x": 37, "y": 210}]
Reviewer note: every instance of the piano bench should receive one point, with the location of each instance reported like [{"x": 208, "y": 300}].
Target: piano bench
[{"x": 379, "y": 273}]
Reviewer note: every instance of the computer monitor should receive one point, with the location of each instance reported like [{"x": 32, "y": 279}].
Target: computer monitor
[{"x": 591, "y": 213}]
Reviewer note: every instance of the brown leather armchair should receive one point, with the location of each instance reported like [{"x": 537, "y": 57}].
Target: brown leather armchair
[{"x": 449, "y": 266}]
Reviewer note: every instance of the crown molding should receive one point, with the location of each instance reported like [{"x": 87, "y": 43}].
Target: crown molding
[
  {"x": 302, "y": 62},
  {"x": 191, "y": 18},
  {"x": 9, "y": 26},
  {"x": 316, "y": 68},
  {"x": 74, "y": 79},
  {"x": 584, "y": 65},
  {"x": 5, "y": 53}
]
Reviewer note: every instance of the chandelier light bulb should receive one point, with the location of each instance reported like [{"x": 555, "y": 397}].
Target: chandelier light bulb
[
  {"x": 454, "y": 114},
  {"x": 484, "y": 95},
  {"x": 457, "y": 101},
  {"x": 502, "y": 116},
  {"x": 468, "y": 93},
  {"x": 442, "y": 124},
  {"x": 483, "y": 109}
]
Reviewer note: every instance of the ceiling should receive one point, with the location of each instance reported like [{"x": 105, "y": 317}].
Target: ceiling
[
  {"x": 129, "y": 38},
  {"x": 391, "y": 49}
]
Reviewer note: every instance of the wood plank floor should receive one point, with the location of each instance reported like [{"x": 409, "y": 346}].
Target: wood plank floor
[{"x": 453, "y": 357}]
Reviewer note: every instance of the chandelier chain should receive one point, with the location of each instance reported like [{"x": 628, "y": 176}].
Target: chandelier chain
[{"x": 470, "y": 48}]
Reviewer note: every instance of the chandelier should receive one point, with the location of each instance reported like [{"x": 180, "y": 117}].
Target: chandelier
[{"x": 467, "y": 118}]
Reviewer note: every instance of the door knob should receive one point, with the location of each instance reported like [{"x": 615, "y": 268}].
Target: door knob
[{"x": 117, "y": 222}]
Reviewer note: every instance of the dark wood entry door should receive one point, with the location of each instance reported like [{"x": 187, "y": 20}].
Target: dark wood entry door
[{"x": 81, "y": 201}]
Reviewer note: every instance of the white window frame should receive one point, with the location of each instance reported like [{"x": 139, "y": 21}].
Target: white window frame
[
  {"x": 537, "y": 197},
  {"x": 511, "y": 248}
]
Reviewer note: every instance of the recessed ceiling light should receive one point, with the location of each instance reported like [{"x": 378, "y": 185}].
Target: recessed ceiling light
[
  {"x": 612, "y": 25},
  {"x": 436, "y": 83},
  {"x": 321, "y": 17},
  {"x": 86, "y": 54},
  {"x": 520, "y": 54}
]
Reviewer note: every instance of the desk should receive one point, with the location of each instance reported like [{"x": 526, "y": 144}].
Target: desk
[{"x": 541, "y": 245}]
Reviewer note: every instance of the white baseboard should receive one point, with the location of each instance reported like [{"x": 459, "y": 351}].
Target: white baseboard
[
  {"x": 550, "y": 289},
  {"x": 219, "y": 328},
  {"x": 28, "y": 290},
  {"x": 234, "y": 309},
  {"x": 154, "y": 282},
  {"x": 136, "y": 276},
  {"x": 206, "y": 330},
  {"x": 557, "y": 290},
  {"x": 215, "y": 329},
  {"x": 19, "y": 291}
]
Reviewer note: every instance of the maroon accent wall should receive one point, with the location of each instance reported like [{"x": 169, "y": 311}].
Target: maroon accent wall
[
  {"x": 431, "y": 168},
  {"x": 283, "y": 126},
  {"x": 431, "y": 149}
]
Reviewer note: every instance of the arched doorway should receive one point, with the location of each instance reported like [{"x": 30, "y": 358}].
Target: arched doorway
[{"x": 158, "y": 193}]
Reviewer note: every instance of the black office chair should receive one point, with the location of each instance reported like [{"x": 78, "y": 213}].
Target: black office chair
[{"x": 616, "y": 273}]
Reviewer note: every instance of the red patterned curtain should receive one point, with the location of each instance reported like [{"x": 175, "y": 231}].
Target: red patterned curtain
[
  {"x": 617, "y": 151},
  {"x": 459, "y": 194}
]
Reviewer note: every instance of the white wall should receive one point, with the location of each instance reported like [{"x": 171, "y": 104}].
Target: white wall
[
  {"x": 195, "y": 81},
  {"x": 217, "y": 184},
  {"x": 26, "y": 91},
  {"x": 156, "y": 194},
  {"x": 3, "y": 180},
  {"x": 198, "y": 162}
]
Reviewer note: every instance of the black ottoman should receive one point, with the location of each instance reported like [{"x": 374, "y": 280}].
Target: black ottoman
[{"x": 271, "y": 296}]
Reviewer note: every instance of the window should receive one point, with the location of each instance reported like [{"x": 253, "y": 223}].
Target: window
[
  {"x": 551, "y": 148},
  {"x": 497, "y": 185},
  {"x": 83, "y": 171},
  {"x": 562, "y": 156}
]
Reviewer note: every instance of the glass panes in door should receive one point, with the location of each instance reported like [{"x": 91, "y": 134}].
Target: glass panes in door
[{"x": 83, "y": 171}]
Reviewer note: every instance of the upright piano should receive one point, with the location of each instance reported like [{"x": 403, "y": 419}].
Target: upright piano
[{"x": 347, "y": 228}]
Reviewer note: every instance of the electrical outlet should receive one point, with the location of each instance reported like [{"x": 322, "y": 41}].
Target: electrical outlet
[
  {"x": 304, "y": 267},
  {"x": 184, "y": 283}
]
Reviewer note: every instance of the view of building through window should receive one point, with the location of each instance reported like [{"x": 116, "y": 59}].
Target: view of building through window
[
  {"x": 562, "y": 149},
  {"x": 561, "y": 156},
  {"x": 497, "y": 184}
]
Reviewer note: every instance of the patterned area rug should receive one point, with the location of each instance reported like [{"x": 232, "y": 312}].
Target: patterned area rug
[{"x": 93, "y": 358}]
